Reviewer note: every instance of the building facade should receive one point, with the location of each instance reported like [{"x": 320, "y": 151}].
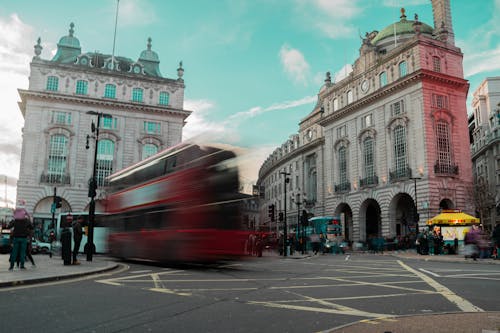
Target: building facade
[
  {"x": 142, "y": 113},
  {"x": 485, "y": 150},
  {"x": 385, "y": 148}
]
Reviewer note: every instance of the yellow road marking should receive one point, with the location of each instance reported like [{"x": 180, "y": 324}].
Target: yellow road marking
[{"x": 462, "y": 303}]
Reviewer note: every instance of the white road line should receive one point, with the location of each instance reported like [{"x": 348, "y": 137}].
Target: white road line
[
  {"x": 429, "y": 272},
  {"x": 462, "y": 303}
]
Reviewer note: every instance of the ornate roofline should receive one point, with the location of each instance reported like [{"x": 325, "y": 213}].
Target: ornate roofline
[
  {"x": 264, "y": 172},
  {"x": 93, "y": 102}
]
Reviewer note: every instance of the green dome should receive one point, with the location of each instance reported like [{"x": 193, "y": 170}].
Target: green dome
[
  {"x": 68, "y": 48},
  {"x": 402, "y": 27},
  {"x": 150, "y": 60}
]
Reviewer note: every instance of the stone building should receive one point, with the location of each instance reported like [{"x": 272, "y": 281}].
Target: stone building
[
  {"x": 485, "y": 150},
  {"x": 387, "y": 146},
  {"x": 142, "y": 113}
]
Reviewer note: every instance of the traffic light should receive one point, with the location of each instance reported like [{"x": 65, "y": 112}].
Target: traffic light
[
  {"x": 57, "y": 202},
  {"x": 271, "y": 212},
  {"x": 303, "y": 219},
  {"x": 281, "y": 218}
]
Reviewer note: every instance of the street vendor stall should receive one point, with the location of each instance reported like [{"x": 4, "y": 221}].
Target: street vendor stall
[{"x": 453, "y": 225}]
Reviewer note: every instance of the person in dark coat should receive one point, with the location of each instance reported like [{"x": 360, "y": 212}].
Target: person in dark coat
[
  {"x": 77, "y": 238},
  {"x": 21, "y": 228}
]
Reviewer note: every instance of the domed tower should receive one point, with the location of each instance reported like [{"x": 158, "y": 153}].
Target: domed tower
[
  {"x": 68, "y": 48},
  {"x": 150, "y": 60}
]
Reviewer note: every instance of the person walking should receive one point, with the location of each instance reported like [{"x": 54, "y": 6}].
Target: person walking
[
  {"x": 21, "y": 228},
  {"x": 77, "y": 238}
]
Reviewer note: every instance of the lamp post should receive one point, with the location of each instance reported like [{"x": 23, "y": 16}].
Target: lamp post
[
  {"x": 298, "y": 203},
  {"x": 285, "y": 236},
  {"x": 417, "y": 216},
  {"x": 93, "y": 183}
]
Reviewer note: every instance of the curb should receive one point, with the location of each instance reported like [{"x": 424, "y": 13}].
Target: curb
[{"x": 17, "y": 283}]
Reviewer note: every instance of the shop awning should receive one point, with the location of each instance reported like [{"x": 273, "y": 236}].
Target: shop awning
[{"x": 453, "y": 218}]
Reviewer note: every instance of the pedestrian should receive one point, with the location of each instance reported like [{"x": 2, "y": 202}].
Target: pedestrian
[
  {"x": 21, "y": 228},
  {"x": 495, "y": 236},
  {"x": 29, "y": 249},
  {"x": 77, "y": 237}
]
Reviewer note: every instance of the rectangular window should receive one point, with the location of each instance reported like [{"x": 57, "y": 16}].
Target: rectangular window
[
  {"x": 152, "y": 127},
  {"x": 164, "y": 98},
  {"x": 110, "y": 91},
  {"x": 56, "y": 168},
  {"x": 439, "y": 101},
  {"x": 62, "y": 118},
  {"x": 366, "y": 121},
  {"x": 52, "y": 83},
  {"x": 400, "y": 151},
  {"x": 436, "y": 63},
  {"x": 342, "y": 166},
  {"x": 137, "y": 95},
  {"x": 81, "y": 87},
  {"x": 108, "y": 122},
  {"x": 341, "y": 131},
  {"x": 397, "y": 108}
]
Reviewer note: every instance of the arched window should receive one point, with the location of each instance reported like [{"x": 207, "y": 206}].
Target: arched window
[
  {"x": 349, "y": 97},
  {"x": 402, "y": 69},
  {"x": 342, "y": 152},
  {"x": 382, "y": 79},
  {"x": 52, "y": 83},
  {"x": 149, "y": 149},
  {"x": 110, "y": 91},
  {"x": 368, "y": 159},
  {"x": 58, "y": 152},
  {"x": 104, "y": 162},
  {"x": 400, "y": 151},
  {"x": 443, "y": 147}
]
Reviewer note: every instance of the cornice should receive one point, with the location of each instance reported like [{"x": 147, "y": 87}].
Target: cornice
[
  {"x": 97, "y": 102},
  {"x": 72, "y": 68},
  {"x": 392, "y": 88}
]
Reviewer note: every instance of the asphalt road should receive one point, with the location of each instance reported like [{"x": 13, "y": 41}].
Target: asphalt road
[{"x": 315, "y": 294}]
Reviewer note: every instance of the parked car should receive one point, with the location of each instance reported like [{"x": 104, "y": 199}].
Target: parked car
[
  {"x": 38, "y": 246},
  {"x": 5, "y": 241}
]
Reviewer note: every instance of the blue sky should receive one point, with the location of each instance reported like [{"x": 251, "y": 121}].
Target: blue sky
[{"x": 252, "y": 67}]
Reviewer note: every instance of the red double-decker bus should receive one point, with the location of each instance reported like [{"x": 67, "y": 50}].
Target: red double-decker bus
[{"x": 179, "y": 205}]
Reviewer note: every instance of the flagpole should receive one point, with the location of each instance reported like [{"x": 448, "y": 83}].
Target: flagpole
[{"x": 114, "y": 35}]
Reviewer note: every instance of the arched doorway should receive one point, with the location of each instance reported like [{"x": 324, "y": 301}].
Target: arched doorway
[
  {"x": 44, "y": 220},
  {"x": 344, "y": 211},
  {"x": 446, "y": 204},
  {"x": 403, "y": 221},
  {"x": 370, "y": 220}
]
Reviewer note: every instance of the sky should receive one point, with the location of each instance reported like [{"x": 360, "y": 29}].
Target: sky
[{"x": 253, "y": 68}]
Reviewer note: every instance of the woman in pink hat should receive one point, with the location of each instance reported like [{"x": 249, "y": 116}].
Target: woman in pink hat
[{"x": 21, "y": 228}]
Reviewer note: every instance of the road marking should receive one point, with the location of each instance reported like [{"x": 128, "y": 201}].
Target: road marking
[
  {"x": 138, "y": 272},
  {"x": 429, "y": 272},
  {"x": 462, "y": 303},
  {"x": 168, "y": 291}
]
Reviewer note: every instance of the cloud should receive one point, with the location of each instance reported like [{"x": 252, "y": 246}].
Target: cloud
[
  {"x": 294, "y": 64},
  {"x": 342, "y": 73},
  {"x": 481, "y": 47},
  {"x": 16, "y": 51},
  {"x": 330, "y": 17},
  {"x": 407, "y": 3},
  {"x": 135, "y": 13}
]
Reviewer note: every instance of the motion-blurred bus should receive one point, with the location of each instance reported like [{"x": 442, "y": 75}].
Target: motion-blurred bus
[{"x": 181, "y": 204}]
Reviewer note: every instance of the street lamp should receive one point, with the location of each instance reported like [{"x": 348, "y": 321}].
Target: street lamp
[
  {"x": 285, "y": 236},
  {"x": 298, "y": 203},
  {"x": 417, "y": 216},
  {"x": 93, "y": 182}
]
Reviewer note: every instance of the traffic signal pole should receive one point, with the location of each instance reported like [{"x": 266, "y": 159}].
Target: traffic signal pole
[{"x": 285, "y": 232}]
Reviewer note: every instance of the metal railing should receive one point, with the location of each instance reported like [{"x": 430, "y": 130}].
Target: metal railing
[
  {"x": 400, "y": 174},
  {"x": 55, "y": 178},
  {"x": 344, "y": 187},
  {"x": 367, "y": 181}
]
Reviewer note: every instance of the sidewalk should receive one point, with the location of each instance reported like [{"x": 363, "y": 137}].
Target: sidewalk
[
  {"x": 412, "y": 254},
  {"x": 50, "y": 269}
]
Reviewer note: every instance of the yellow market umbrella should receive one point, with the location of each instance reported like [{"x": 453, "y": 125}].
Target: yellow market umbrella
[{"x": 453, "y": 218}]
